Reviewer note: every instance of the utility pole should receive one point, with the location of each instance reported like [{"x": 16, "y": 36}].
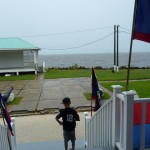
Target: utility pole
[
  {"x": 117, "y": 48},
  {"x": 114, "y": 48}
]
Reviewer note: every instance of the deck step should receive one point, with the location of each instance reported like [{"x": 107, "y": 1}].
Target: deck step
[
  {"x": 98, "y": 148},
  {"x": 56, "y": 145},
  {"x": 53, "y": 145}
]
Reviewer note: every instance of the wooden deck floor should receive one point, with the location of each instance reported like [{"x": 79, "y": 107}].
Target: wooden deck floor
[{"x": 56, "y": 145}]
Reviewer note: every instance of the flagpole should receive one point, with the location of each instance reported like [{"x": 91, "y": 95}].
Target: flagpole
[{"x": 131, "y": 46}]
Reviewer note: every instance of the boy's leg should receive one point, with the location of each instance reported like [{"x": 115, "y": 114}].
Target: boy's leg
[
  {"x": 66, "y": 139},
  {"x": 73, "y": 138},
  {"x": 73, "y": 145},
  {"x": 66, "y": 145}
]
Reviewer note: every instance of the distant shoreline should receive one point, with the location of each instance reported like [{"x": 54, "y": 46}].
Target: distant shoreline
[
  {"x": 97, "y": 67},
  {"x": 89, "y": 53},
  {"x": 104, "y": 60}
]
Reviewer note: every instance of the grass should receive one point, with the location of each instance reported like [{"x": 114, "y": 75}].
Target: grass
[
  {"x": 20, "y": 77},
  {"x": 72, "y": 73},
  {"x": 102, "y": 75},
  {"x": 16, "y": 101},
  {"x": 135, "y": 74},
  {"x": 89, "y": 95},
  {"x": 141, "y": 87},
  {"x": 105, "y": 96}
]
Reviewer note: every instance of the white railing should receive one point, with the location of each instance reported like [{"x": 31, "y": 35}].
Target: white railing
[
  {"x": 4, "y": 143},
  {"x": 113, "y": 124},
  {"x": 12, "y": 139},
  {"x": 7, "y": 141},
  {"x": 124, "y": 133},
  {"x": 98, "y": 129}
]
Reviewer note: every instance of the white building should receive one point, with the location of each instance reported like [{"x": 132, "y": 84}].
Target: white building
[{"x": 17, "y": 55}]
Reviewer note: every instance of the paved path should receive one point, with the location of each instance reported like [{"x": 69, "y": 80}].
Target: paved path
[
  {"x": 40, "y": 128},
  {"x": 42, "y": 94},
  {"x": 57, "y": 145}
]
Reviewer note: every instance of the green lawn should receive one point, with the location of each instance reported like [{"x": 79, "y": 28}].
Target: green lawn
[
  {"x": 89, "y": 95},
  {"x": 102, "y": 75},
  {"x": 141, "y": 87},
  {"x": 74, "y": 73},
  {"x": 16, "y": 101},
  {"x": 135, "y": 74},
  {"x": 105, "y": 96},
  {"x": 20, "y": 77}
]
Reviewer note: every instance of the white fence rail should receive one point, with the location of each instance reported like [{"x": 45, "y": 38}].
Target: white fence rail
[
  {"x": 127, "y": 101},
  {"x": 7, "y": 141},
  {"x": 98, "y": 129},
  {"x": 12, "y": 139},
  {"x": 114, "y": 123},
  {"x": 4, "y": 143}
]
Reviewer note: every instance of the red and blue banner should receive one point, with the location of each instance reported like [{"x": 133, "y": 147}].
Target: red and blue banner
[
  {"x": 141, "y": 26},
  {"x": 95, "y": 91},
  {"x": 5, "y": 114},
  {"x": 137, "y": 128}
]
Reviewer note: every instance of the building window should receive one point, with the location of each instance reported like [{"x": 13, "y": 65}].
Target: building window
[{"x": 28, "y": 58}]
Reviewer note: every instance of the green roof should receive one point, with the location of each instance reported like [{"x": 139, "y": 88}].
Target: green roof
[{"x": 15, "y": 43}]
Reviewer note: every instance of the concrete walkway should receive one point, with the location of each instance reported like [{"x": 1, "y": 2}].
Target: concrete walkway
[
  {"x": 50, "y": 145},
  {"x": 40, "y": 94},
  {"x": 42, "y": 128}
]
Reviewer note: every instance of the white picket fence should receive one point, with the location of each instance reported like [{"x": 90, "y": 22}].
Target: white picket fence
[
  {"x": 7, "y": 141},
  {"x": 112, "y": 124}
]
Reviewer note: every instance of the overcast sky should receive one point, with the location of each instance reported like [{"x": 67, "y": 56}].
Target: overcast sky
[{"x": 20, "y": 18}]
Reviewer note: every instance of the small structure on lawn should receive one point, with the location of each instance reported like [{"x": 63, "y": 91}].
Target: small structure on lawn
[{"x": 17, "y": 55}]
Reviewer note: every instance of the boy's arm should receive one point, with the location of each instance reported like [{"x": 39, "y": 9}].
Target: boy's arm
[
  {"x": 60, "y": 122},
  {"x": 77, "y": 116},
  {"x": 58, "y": 117}
]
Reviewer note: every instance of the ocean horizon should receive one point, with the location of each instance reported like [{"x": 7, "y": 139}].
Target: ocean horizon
[{"x": 105, "y": 60}]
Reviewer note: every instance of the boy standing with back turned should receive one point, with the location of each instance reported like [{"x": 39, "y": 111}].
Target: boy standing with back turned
[{"x": 69, "y": 117}]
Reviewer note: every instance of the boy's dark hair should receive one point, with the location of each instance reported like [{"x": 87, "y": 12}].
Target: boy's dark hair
[{"x": 66, "y": 100}]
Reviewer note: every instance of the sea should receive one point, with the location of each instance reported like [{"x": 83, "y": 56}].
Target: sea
[{"x": 105, "y": 60}]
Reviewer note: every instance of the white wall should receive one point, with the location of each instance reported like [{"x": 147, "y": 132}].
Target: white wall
[{"x": 11, "y": 59}]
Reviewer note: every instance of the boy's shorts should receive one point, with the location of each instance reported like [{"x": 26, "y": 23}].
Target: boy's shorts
[{"x": 69, "y": 135}]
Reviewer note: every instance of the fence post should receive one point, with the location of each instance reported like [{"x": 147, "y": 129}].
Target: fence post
[
  {"x": 116, "y": 90},
  {"x": 14, "y": 130},
  {"x": 85, "y": 131},
  {"x": 128, "y": 120},
  {"x": 88, "y": 131}
]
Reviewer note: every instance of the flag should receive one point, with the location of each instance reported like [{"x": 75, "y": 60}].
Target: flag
[
  {"x": 141, "y": 27},
  {"x": 5, "y": 114},
  {"x": 95, "y": 91},
  {"x": 141, "y": 24}
]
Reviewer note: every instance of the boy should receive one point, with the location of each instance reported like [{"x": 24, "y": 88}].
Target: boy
[{"x": 69, "y": 117}]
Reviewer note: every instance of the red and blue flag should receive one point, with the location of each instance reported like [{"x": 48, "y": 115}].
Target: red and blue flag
[{"x": 141, "y": 26}]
